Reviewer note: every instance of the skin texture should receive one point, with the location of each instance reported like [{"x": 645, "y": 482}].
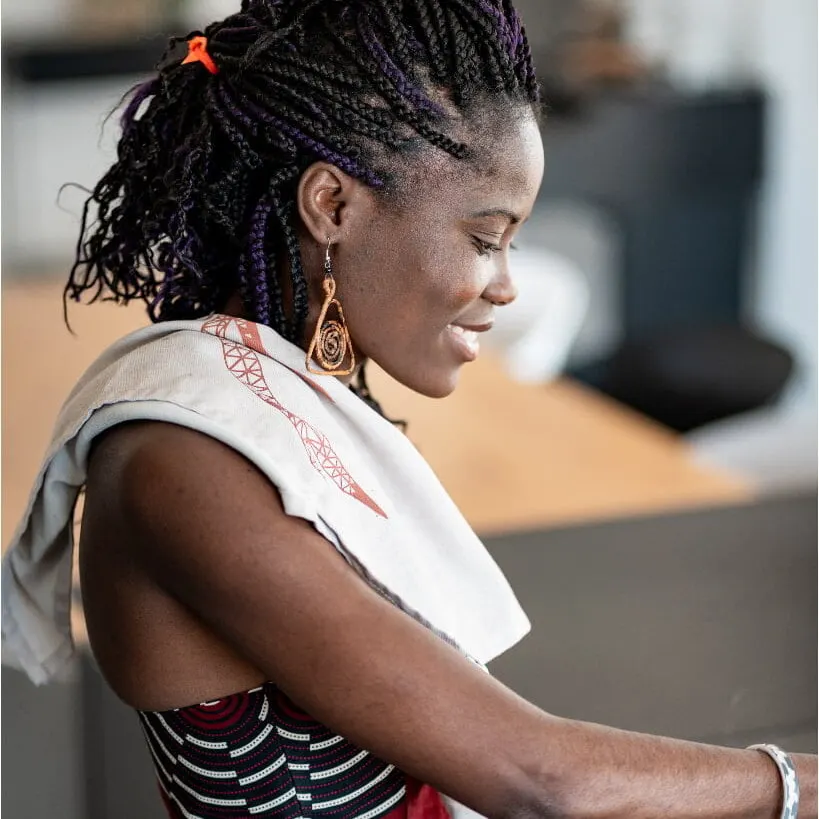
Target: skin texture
[
  {"x": 409, "y": 266},
  {"x": 197, "y": 585}
]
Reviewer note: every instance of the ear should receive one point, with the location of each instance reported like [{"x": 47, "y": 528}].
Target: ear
[{"x": 326, "y": 198}]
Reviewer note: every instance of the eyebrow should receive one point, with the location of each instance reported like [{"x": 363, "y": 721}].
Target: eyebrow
[{"x": 513, "y": 218}]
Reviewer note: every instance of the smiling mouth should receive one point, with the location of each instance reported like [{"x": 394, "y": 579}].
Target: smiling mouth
[
  {"x": 466, "y": 339},
  {"x": 472, "y": 328},
  {"x": 469, "y": 336}
]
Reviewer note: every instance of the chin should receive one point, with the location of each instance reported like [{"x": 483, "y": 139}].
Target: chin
[
  {"x": 433, "y": 383},
  {"x": 428, "y": 373}
]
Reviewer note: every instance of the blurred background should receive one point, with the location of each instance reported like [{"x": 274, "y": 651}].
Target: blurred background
[{"x": 650, "y": 485}]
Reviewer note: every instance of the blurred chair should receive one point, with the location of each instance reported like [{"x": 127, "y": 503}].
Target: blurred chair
[
  {"x": 687, "y": 377},
  {"x": 535, "y": 334}
]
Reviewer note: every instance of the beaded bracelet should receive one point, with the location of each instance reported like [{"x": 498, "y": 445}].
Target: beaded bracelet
[{"x": 790, "y": 781}]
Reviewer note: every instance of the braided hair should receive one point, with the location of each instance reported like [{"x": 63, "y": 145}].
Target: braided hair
[{"x": 201, "y": 203}]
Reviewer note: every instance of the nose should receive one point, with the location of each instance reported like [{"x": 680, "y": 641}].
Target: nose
[{"x": 501, "y": 290}]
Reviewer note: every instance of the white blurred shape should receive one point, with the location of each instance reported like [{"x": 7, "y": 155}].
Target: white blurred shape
[
  {"x": 702, "y": 43},
  {"x": 200, "y": 13},
  {"x": 54, "y": 135},
  {"x": 536, "y": 332},
  {"x": 775, "y": 449},
  {"x": 782, "y": 296},
  {"x": 588, "y": 238},
  {"x": 34, "y": 18}
]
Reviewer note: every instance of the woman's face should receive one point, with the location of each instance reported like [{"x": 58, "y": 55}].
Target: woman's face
[{"x": 420, "y": 276}]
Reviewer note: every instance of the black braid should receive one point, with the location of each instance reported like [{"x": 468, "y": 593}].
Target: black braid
[
  {"x": 285, "y": 210},
  {"x": 362, "y": 390},
  {"x": 429, "y": 25},
  {"x": 200, "y": 203}
]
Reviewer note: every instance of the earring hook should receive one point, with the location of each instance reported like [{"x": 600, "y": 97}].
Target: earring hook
[{"x": 328, "y": 263}]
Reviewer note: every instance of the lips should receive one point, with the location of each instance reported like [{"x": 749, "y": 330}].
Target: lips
[
  {"x": 474, "y": 328},
  {"x": 465, "y": 337},
  {"x": 469, "y": 336}
]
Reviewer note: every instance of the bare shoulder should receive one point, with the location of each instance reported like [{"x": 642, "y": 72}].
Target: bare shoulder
[
  {"x": 153, "y": 650},
  {"x": 126, "y": 454},
  {"x": 182, "y": 493},
  {"x": 173, "y": 487}
]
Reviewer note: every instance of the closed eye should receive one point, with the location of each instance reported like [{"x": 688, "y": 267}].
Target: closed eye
[
  {"x": 485, "y": 248},
  {"x": 488, "y": 248}
]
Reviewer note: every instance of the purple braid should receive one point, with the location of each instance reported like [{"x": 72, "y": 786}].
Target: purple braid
[
  {"x": 389, "y": 69},
  {"x": 142, "y": 92},
  {"x": 259, "y": 292}
]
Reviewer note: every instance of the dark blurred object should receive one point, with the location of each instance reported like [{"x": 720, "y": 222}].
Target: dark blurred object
[
  {"x": 69, "y": 61},
  {"x": 657, "y": 624},
  {"x": 690, "y": 377},
  {"x": 677, "y": 176}
]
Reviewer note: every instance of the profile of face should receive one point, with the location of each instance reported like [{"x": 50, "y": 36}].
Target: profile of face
[{"x": 420, "y": 275}]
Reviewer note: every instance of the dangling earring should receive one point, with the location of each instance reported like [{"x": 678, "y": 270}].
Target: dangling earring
[{"x": 331, "y": 341}]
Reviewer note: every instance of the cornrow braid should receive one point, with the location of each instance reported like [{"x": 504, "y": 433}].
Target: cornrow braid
[
  {"x": 399, "y": 105},
  {"x": 430, "y": 24},
  {"x": 464, "y": 52},
  {"x": 201, "y": 201}
]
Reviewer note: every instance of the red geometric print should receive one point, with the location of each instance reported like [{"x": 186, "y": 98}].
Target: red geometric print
[
  {"x": 220, "y": 715},
  {"x": 271, "y": 760},
  {"x": 250, "y": 335},
  {"x": 242, "y": 360}
]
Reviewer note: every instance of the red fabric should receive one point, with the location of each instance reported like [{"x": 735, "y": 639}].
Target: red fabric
[
  {"x": 173, "y": 812},
  {"x": 424, "y": 802}
]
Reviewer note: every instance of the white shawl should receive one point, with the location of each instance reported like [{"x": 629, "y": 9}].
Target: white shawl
[{"x": 335, "y": 462}]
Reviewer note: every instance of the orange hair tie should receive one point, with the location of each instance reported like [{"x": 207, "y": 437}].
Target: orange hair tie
[{"x": 198, "y": 53}]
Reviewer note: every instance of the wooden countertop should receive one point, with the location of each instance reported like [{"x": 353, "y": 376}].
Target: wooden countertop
[{"x": 517, "y": 456}]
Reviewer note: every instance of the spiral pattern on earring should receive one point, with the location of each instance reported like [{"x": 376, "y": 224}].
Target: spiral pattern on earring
[
  {"x": 331, "y": 349},
  {"x": 331, "y": 343}
]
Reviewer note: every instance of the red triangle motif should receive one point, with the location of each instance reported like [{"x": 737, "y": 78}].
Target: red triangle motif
[{"x": 244, "y": 364}]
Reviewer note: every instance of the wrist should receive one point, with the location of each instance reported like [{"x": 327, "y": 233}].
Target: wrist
[
  {"x": 788, "y": 779},
  {"x": 806, "y": 770}
]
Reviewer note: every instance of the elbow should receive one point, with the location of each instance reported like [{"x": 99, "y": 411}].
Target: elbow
[
  {"x": 534, "y": 798},
  {"x": 532, "y": 808}
]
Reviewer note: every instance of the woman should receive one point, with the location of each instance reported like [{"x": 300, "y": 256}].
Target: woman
[{"x": 308, "y": 185}]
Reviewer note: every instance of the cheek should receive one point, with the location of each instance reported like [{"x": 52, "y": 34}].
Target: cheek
[
  {"x": 457, "y": 280},
  {"x": 410, "y": 287},
  {"x": 425, "y": 284}
]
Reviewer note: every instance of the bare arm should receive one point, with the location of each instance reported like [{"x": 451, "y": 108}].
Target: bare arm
[{"x": 212, "y": 532}]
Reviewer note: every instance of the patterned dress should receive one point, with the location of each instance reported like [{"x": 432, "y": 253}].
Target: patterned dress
[{"x": 257, "y": 754}]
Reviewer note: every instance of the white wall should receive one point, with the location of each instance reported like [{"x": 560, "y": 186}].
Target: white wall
[
  {"x": 53, "y": 135},
  {"x": 22, "y": 18},
  {"x": 784, "y": 296}
]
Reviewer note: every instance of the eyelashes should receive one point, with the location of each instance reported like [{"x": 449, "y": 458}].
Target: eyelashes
[{"x": 487, "y": 248}]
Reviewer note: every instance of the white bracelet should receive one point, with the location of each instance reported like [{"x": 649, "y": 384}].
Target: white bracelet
[{"x": 790, "y": 781}]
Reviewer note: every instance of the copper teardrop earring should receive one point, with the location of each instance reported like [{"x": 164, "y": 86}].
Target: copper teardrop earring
[{"x": 331, "y": 342}]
